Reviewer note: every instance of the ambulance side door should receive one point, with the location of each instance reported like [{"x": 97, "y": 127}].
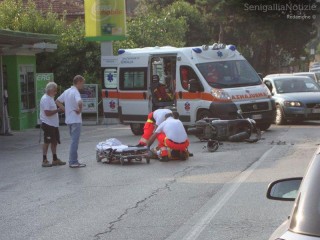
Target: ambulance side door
[
  {"x": 110, "y": 92},
  {"x": 133, "y": 94},
  {"x": 188, "y": 101}
]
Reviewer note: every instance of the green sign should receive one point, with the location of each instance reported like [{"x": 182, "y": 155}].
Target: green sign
[{"x": 42, "y": 79}]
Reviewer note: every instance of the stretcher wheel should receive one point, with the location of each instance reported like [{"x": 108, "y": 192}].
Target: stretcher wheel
[
  {"x": 98, "y": 157},
  {"x": 148, "y": 160},
  {"x": 108, "y": 161},
  {"x": 121, "y": 160}
]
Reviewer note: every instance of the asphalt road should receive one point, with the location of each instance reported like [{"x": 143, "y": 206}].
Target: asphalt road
[{"x": 217, "y": 195}]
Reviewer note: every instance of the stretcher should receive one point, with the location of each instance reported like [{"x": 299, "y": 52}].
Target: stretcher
[{"x": 113, "y": 150}]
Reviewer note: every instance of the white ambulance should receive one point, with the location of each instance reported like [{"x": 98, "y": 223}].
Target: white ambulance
[{"x": 205, "y": 81}]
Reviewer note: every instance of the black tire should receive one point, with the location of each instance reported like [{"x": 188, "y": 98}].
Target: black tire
[
  {"x": 122, "y": 161},
  {"x": 137, "y": 128},
  {"x": 148, "y": 160},
  {"x": 280, "y": 118},
  {"x": 204, "y": 114},
  {"x": 263, "y": 126}
]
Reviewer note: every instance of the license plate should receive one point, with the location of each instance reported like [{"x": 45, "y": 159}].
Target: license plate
[
  {"x": 316, "y": 110},
  {"x": 257, "y": 116}
]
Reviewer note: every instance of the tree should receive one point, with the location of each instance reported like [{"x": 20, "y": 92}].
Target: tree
[{"x": 15, "y": 15}]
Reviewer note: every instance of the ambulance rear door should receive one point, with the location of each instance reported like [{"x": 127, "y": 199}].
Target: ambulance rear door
[
  {"x": 110, "y": 99},
  {"x": 134, "y": 101}
]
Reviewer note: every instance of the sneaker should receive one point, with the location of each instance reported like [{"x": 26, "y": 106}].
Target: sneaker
[
  {"x": 46, "y": 163},
  {"x": 164, "y": 159},
  {"x": 58, "y": 162},
  {"x": 77, "y": 165}
]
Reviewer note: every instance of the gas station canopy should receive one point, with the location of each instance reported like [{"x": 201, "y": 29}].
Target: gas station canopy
[{"x": 15, "y": 42}]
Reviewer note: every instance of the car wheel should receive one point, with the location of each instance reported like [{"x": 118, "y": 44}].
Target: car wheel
[
  {"x": 264, "y": 126},
  {"x": 136, "y": 128},
  {"x": 280, "y": 119},
  {"x": 204, "y": 114}
]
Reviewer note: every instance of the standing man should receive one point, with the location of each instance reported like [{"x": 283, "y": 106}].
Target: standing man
[
  {"x": 50, "y": 125},
  {"x": 73, "y": 108}
]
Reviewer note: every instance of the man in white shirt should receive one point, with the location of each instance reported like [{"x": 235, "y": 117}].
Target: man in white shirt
[
  {"x": 50, "y": 125},
  {"x": 73, "y": 108},
  {"x": 170, "y": 134}
]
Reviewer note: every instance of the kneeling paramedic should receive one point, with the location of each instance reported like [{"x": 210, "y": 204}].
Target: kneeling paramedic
[
  {"x": 170, "y": 134},
  {"x": 154, "y": 118}
]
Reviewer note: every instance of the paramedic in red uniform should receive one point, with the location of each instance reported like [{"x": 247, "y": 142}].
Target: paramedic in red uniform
[
  {"x": 154, "y": 118},
  {"x": 170, "y": 134}
]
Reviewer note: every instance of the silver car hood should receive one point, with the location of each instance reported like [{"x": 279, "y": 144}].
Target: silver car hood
[{"x": 304, "y": 97}]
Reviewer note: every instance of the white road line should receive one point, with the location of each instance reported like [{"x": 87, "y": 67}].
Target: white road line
[{"x": 214, "y": 207}]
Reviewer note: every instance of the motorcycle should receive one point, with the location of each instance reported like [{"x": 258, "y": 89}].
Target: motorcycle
[{"x": 214, "y": 130}]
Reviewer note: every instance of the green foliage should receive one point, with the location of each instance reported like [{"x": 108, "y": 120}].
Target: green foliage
[
  {"x": 153, "y": 29},
  {"x": 14, "y": 15},
  {"x": 74, "y": 56}
]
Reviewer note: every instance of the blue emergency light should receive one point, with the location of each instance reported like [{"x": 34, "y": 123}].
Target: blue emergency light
[{"x": 121, "y": 51}]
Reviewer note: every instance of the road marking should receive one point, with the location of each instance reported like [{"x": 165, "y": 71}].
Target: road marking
[{"x": 212, "y": 207}]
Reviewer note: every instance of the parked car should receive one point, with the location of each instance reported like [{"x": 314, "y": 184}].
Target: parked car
[
  {"x": 314, "y": 69},
  {"x": 297, "y": 97},
  {"x": 313, "y": 75},
  {"x": 315, "y": 64},
  {"x": 304, "y": 221}
]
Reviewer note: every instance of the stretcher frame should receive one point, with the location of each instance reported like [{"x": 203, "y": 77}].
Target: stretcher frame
[{"x": 128, "y": 154}]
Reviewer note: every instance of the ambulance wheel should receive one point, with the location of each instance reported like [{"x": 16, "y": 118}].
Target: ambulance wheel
[
  {"x": 122, "y": 160},
  {"x": 136, "y": 128},
  {"x": 204, "y": 114},
  {"x": 148, "y": 160}
]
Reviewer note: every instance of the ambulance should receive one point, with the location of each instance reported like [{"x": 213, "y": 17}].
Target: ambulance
[{"x": 204, "y": 81}]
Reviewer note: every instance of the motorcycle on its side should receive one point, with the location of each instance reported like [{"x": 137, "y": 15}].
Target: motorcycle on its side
[{"x": 214, "y": 130}]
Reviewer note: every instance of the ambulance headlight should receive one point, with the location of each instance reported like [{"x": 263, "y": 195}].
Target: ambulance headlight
[{"x": 220, "y": 94}]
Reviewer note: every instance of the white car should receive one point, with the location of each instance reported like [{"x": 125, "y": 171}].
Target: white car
[{"x": 304, "y": 221}]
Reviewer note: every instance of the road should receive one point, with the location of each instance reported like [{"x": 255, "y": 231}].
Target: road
[{"x": 217, "y": 195}]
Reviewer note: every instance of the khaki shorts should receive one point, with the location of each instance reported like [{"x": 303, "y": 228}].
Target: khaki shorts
[{"x": 51, "y": 134}]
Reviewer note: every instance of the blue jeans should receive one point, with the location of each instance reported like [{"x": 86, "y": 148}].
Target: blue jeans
[{"x": 75, "y": 131}]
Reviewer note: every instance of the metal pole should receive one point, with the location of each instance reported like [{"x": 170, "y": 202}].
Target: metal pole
[{"x": 2, "y": 116}]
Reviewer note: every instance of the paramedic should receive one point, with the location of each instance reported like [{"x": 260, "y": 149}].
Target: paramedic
[
  {"x": 172, "y": 134},
  {"x": 50, "y": 125},
  {"x": 154, "y": 118},
  {"x": 73, "y": 108}
]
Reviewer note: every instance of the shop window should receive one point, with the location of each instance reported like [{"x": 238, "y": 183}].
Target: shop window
[
  {"x": 26, "y": 74},
  {"x": 110, "y": 78},
  {"x": 133, "y": 78}
]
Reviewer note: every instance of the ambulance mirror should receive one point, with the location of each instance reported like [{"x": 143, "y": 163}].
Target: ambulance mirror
[{"x": 193, "y": 85}]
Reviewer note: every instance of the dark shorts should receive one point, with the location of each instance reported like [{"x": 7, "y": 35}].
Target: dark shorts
[{"x": 51, "y": 134}]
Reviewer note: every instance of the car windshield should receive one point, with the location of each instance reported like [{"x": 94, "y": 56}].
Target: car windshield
[
  {"x": 227, "y": 74},
  {"x": 292, "y": 85}
]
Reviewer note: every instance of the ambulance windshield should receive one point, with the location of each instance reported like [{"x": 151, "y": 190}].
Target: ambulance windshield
[{"x": 228, "y": 74}]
